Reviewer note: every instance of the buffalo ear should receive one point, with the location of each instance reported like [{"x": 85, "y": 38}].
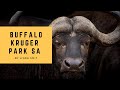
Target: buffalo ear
[{"x": 19, "y": 19}]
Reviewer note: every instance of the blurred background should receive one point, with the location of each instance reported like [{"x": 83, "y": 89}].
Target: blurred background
[{"x": 50, "y": 9}]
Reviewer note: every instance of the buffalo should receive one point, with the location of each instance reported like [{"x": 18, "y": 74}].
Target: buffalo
[{"x": 78, "y": 42}]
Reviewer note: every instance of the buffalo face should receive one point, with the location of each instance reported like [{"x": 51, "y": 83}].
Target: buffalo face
[{"x": 71, "y": 52}]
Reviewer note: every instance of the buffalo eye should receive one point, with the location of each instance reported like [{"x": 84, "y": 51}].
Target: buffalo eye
[
  {"x": 86, "y": 43},
  {"x": 59, "y": 44}
]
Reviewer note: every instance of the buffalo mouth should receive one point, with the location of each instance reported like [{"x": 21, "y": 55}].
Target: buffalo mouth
[{"x": 73, "y": 75}]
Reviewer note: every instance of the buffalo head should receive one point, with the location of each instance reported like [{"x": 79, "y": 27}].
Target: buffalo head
[{"x": 72, "y": 38}]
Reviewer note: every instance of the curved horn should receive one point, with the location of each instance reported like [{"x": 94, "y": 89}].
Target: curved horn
[
  {"x": 14, "y": 19},
  {"x": 61, "y": 24},
  {"x": 82, "y": 24}
]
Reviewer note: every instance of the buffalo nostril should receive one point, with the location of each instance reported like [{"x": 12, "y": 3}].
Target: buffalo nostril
[
  {"x": 81, "y": 64},
  {"x": 67, "y": 64}
]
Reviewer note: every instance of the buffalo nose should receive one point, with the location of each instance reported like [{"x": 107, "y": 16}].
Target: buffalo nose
[{"x": 73, "y": 63}]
